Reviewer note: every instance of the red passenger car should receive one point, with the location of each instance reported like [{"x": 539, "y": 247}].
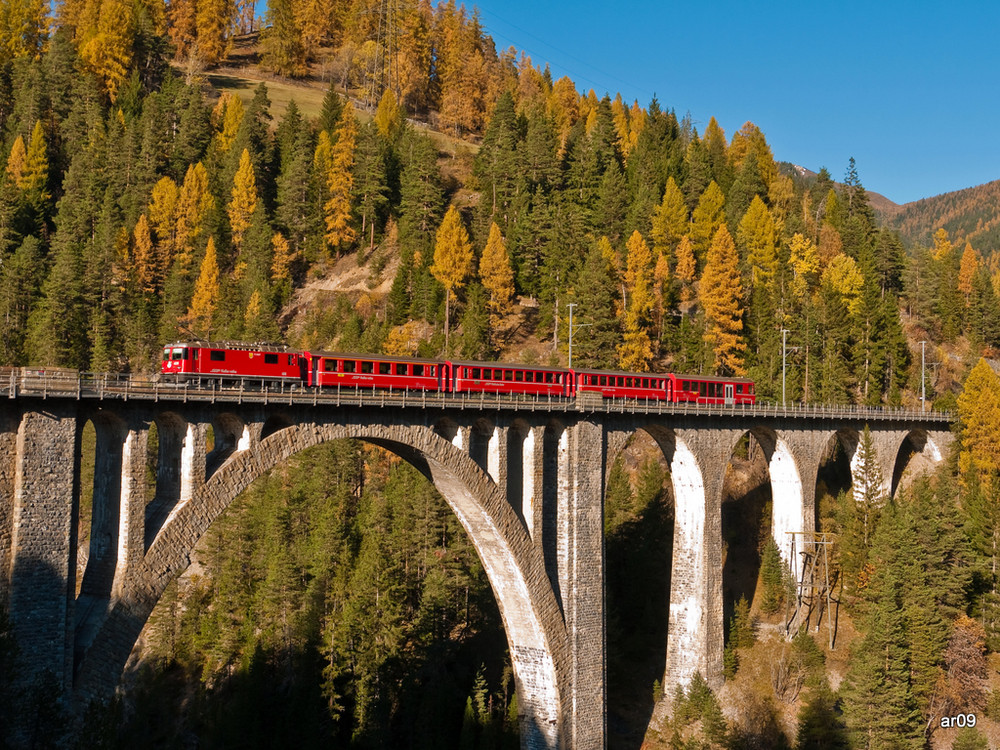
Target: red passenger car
[
  {"x": 699, "y": 389},
  {"x": 327, "y": 369},
  {"x": 231, "y": 362},
  {"x": 500, "y": 377},
  {"x": 623, "y": 384}
]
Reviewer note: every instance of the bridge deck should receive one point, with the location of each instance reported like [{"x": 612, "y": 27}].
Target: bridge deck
[{"x": 116, "y": 387}]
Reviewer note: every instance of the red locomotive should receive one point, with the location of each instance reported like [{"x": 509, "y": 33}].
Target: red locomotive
[{"x": 230, "y": 363}]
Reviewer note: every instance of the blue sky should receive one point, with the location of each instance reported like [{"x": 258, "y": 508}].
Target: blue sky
[{"x": 910, "y": 90}]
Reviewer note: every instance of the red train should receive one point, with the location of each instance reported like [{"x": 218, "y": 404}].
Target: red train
[{"x": 230, "y": 362}]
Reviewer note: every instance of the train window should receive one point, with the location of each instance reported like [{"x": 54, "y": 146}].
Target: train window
[
  {"x": 550, "y": 377},
  {"x": 350, "y": 366},
  {"x": 166, "y": 354},
  {"x": 400, "y": 368},
  {"x": 368, "y": 367},
  {"x": 270, "y": 359},
  {"x": 329, "y": 365},
  {"x": 702, "y": 390},
  {"x": 418, "y": 370},
  {"x": 216, "y": 356},
  {"x": 477, "y": 373},
  {"x": 431, "y": 369},
  {"x": 518, "y": 376},
  {"x": 384, "y": 368},
  {"x": 291, "y": 359},
  {"x": 508, "y": 375}
]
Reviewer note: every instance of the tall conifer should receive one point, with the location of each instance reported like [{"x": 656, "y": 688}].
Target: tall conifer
[{"x": 719, "y": 293}]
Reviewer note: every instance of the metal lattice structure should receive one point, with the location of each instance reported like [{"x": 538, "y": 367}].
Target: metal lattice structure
[{"x": 813, "y": 596}]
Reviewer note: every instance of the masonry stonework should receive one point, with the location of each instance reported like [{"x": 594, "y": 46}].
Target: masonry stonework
[{"x": 527, "y": 486}]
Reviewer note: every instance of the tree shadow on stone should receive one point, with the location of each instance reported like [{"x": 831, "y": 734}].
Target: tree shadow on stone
[{"x": 639, "y": 554}]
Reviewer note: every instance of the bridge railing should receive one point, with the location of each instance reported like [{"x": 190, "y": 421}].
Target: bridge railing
[{"x": 59, "y": 383}]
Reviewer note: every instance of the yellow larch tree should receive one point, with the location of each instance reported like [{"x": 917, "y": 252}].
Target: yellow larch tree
[
  {"x": 670, "y": 220},
  {"x": 497, "y": 276},
  {"x": 830, "y": 245},
  {"x": 229, "y": 116},
  {"x": 803, "y": 260},
  {"x": 389, "y": 117},
  {"x": 206, "y": 293},
  {"x": 182, "y": 27},
  {"x": 844, "y": 276},
  {"x": 213, "y": 19},
  {"x": 942, "y": 245},
  {"x": 336, "y": 160},
  {"x": 685, "y": 269},
  {"x": 252, "y": 315},
  {"x": 636, "y": 352},
  {"x": 620, "y": 116},
  {"x": 23, "y": 28},
  {"x": 16, "y": 161},
  {"x": 144, "y": 266},
  {"x": 452, "y": 259},
  {"x": 564, "y": 107},
  {"x": 244, "y": 199},
  {"x": 636, "y": 123},
  {"x": 967, "y": 271},
  {"x": 979, "y": 417},
  {"x": 162, "y": 212},
  {"x": 720, "y": 295},
  {"x": 107, "y": 42},
  {"x": 781, "y": 195},
  {"x": 757, "y": 237},
  {"x": 194, "y": 203},
  {"x": 661, "y": 291},
  {"x": 706, "y": 218},
  {"x": 750, "y": 139},
  {"x": 35, "y": 178},
  {"x": 282, "y": 258}
]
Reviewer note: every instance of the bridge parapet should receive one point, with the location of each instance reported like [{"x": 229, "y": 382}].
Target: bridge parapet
[{"x": 119, "y": 387}]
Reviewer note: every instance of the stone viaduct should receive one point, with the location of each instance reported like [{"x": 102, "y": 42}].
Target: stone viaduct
[{"x": 525, "y": 477}]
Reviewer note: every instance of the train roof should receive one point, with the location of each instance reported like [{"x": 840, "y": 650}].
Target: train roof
[
  {"x": 240, "y": 346},
  {"x": 508, "y": 366},
  {"x": 374, "y": 357},
  {"x": 679, "y": 376}
]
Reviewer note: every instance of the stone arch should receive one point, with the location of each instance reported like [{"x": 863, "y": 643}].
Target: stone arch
[
  {"x": 791, "y": 510},
  {"x": 745, "y": 495},
  {"x": 835, "y": 470},
  {"x": 532, "y": 619},
  {"x": 688, "y": 614},
  {"x": 101, "y": 549},
  {"x": 639, "y": 549},
  {"x": 172, "y": 435},
  {"x": 102, "y": 539},
  {"x": 918, "y": 452},
  {"x": 450, "y": 431},
  {"x": 231, "y": 435},
  {"x": 274, "y": 424},
  {"x": 481, "y": 438},
  {"x": 520, "y": 482},
  {"x": 554, "y": 492}
]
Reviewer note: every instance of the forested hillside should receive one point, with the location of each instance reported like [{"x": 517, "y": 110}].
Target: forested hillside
[
  {"x": 969, "y": 214},
  {"x": 477, "y": 199}
]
